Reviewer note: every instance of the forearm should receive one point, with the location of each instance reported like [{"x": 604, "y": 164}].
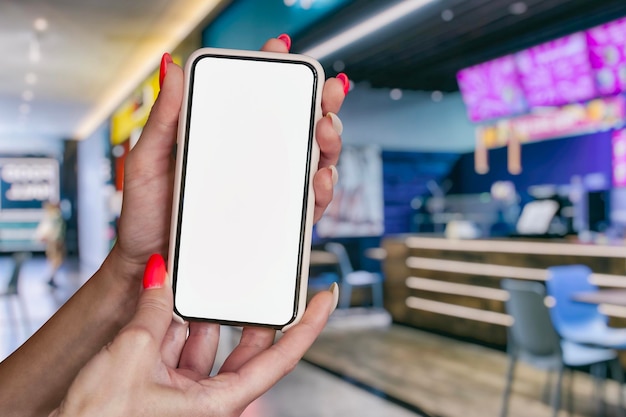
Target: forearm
[{"x": 35, "y": 378}]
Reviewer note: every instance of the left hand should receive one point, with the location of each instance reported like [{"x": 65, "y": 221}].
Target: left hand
[{"x": 152, "y": 369}]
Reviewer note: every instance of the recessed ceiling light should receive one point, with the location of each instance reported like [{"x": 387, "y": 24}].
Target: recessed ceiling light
[
  {"x": 447, "y": 15},
  {"x": 289, "y": 3},
  {"x": 436, "y": 96},
  {"x": 27, "y": 95},
  {"x": 395, "y": 94},
  {"x": 306, "y": 4},
  {"x": 339, "y": 65},
  {"x": 40, "y": 24},
  {"x": 518, "y": 8},
  {"x": 31, "y": 78}
]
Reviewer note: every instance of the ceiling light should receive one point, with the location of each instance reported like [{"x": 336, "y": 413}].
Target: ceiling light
[
  {"x": 27, "y": 95},
  {"x": 518, "y": 8},
  {"x": 365, "y": 28},
  {"x": 289, "y": 3},
  {"x": 436, "y": 96},
  {"x": 40, "y": 24},
  {"x": 339, "y": 66},
  {"x": 447, "y": 15},
  {"x": 306, "y": 4},
  {"x": 31, "y": 78},
  {"x": 395, "y": 94}
]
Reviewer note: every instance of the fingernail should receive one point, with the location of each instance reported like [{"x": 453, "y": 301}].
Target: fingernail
[
  {"x": 337, "y": 124},
  {"x": 285, "y": 38},
  {"x": 346, "y": 82},
  {"x": 334, "y": 289},
  {"x": 155, "y": 274},
  {"x": 165, "y": 61},
  {"x": 178, "y": 319},
  {"x": 334, "y": 174}
]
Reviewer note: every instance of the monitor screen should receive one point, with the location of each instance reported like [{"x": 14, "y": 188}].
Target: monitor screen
[
  {"x": 557, "y": 72},
  {"x": 492, "y": 89},
  {"x": 607, "y": 55}
]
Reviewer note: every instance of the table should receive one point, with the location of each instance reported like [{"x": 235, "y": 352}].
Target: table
[{"x": 615, "y": 297}]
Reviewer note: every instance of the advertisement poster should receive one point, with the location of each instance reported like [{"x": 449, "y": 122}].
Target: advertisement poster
[
  {"x": 357, "y": 206},
  {"x": 607, "y": 54}
]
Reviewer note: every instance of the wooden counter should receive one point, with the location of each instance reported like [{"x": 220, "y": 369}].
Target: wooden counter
[{"x": 453, "y": 286}]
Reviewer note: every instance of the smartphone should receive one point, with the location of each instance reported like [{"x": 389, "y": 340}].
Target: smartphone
[{"x": 243, "y": 196}]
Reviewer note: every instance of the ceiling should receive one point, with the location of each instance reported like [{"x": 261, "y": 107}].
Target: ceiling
[
  {"x": 94, "y": 52},
  {"x": 422, "y": 51},
  {"x": 91, "y": 55}
]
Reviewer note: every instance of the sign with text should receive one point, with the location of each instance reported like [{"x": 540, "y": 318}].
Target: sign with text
[{"x": 26, "y": 183}]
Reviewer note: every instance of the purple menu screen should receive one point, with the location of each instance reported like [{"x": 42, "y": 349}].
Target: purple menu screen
[
  {"x": 557, "y": 72},
  {"x": 492, "y": 89},
  {"x": 607, "y": 54}
]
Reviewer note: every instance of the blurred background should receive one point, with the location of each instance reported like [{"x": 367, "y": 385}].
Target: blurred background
[{"x": 484, "y": 142}]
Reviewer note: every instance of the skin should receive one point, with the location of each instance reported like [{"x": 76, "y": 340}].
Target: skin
[
  {"x": 151, "y": 369},
  {"x": 36, "y": 377}
]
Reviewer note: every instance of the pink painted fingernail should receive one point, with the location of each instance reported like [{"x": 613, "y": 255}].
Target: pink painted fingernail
[
  {"x": 165, "y": 61},
  {"x": 155, "y": 273},
  {"x": 285, "y": 38},
  {"x": 346, "y": 82}
]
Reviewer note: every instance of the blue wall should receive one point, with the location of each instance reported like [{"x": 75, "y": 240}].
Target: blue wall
[{"x": 548, "y": 162}]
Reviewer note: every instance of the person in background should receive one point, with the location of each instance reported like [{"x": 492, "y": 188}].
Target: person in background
[
  {"x": 114, "y": 348},
  {"x": 51, "y": 231}
]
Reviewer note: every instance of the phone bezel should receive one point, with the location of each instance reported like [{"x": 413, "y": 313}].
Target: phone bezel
[{"x": 312, "y": 158}]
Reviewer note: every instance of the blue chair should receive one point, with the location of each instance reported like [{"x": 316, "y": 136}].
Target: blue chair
[
  {"x": 533, "y": 339},
  {"x": 576, "y": 321}
]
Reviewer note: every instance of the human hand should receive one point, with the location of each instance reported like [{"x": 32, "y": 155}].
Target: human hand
[
  {"x": 152, "y": 369},
  {"x": 149, "y": 171}
]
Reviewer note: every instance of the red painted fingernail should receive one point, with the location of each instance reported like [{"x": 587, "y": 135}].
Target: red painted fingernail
[
  {"x": 165, "y": 60},
  {"x": 346, "y": 82},
  {"x": 285, "y": 38},
  {"x": 155, "y": 273}
]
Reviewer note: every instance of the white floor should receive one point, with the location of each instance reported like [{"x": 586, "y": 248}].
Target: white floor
[{"x": 307, "y": 392}]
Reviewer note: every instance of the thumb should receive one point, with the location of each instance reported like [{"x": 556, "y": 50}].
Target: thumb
[{"x": 155, "y": 307}]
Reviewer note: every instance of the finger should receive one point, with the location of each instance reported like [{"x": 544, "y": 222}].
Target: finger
[
  {"x": 263, "y": 371},
  {"x": 198, "y": 355},
  {"x": 333, "y": 95},
  {"x": 328, "y": 137},
  {"x": 275, "y": 45},
  {"x": 173, "y": 343},
  {"x": 159, "y": 134},
  {"x": 155, "y": 306},
  {"x": 254, "y": 340},
  {"x": 323, "y": 185}
]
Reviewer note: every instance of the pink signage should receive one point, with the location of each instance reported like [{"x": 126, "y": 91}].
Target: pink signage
[
  {"x": 607, "y": 55},
  {"x": 492, "y": 89},
  {"x": 619, "y": 158},
  {"x": 557, "y": 72},
  {"x": 574, "y": 119}
]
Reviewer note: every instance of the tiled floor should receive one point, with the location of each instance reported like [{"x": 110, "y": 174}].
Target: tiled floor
[{"x": 307, "y": 392}]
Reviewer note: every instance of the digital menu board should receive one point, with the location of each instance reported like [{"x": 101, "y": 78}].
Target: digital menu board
[
  {"x": 557, "y": 72},
  {"x": 607, "y": 55},
  {"x": 492, "y": 89}
]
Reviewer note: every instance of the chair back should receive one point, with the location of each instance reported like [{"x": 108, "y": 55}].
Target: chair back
[
  {"x": 532, "y": 333},
  {"x": 345, "y": 266},
  {"x": 18, "y": 261},
  {"x": 563, "y": 282}
]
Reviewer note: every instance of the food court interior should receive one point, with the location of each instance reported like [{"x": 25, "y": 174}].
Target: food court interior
[{"x": 478, "y": 228}]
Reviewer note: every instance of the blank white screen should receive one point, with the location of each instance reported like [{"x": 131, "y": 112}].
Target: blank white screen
[{"x": 246, "y": 164}]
